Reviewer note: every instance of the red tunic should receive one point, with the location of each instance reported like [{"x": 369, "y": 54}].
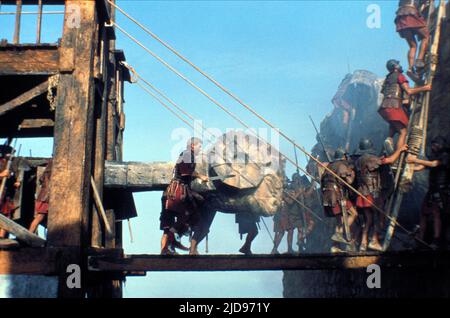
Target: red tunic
[{"x": 391, "y": 110}]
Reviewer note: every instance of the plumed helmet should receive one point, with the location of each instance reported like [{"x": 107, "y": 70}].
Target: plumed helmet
[
  {"x": 391, "y": 65},
  {"x": 365, "y": 144}
]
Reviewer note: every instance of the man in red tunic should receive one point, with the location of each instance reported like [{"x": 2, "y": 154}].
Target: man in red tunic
[
  {"x": 180, "y": 209},
  {"x": 411, "y": 26},
  {"x": 12, "y": 184},
  {"x": 396, "y": 93},
  {"x": 41, "y": 205},
  {"x": 368, "y": 179}
]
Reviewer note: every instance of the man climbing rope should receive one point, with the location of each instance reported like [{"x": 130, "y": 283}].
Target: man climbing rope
[
  {"x": 292, "y": 216},
  {"x": 436, "y": 204},
  {"x": 411, "y": 26},
  {"x": 180, "y": 210},
  {"x": 336, "y": 202},
  {"x": 12, "y": 184},
  {"x": 41, "y": 206},
  {"x": 396, "y": 93},
  {"x": 368, "y": 180}
]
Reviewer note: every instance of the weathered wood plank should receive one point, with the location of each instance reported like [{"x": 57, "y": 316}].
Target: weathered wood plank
[
  {"x": 23, "y": 98},
  {"x": 36, "y": 123},
  {"x": 29, "y": 60},
  {"x": 30, "y": 261},
  {"x": 407, "y": 259},
  {"x": 20, "y": 232},
  {"x": 136, "y": 176}
]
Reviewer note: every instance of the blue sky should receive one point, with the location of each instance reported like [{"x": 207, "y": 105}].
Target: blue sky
[{"x": 286, "y": 59}]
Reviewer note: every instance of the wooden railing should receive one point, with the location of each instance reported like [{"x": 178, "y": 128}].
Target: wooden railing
[{"x": 19, "y": 12}]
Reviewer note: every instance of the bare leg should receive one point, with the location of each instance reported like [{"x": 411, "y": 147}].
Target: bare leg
[
  {"x": 3, "y": 234},
  {"x": 164, "y": 243},
  {"x": 412, "y": 49},
  {"x": 365, "y": 234},
  {"x": 424, "y": 43},
  {"x": 277, "y": 241},
  {"x": 290, "y": 238},
  {"x": 36, "y": 221},
  {"x": 193, "y": 249},
  {"x": 402, "y": 137},
  {"x": 247, "y": 247}
]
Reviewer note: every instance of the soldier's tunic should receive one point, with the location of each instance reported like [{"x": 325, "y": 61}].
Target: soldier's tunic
[
  {"x": 290, "y": 215},
  {"x": 408, "y": 17},
  {"x": 7, "y": 204},
  {"x": 368, "y": 179},
  {"x": 334, "y": 192},
  {"x": 438, "y": 195},
  {"x": 179, "y": 202},
  {"x": 391, "y": 108},
  {"x": 41, "y": 206}
]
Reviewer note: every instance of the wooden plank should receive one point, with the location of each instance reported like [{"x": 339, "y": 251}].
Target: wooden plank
[
  {"x": 34, "y": 60},
  {"x": 17, "y": 21},
  {"x": 29, "y": 261},
  {"x": 20, "y": 232},
  {"x": 137, "y": 176},
  {"x": 23, "y": 98},
  {"x": 36, "y": 123},
  {"x": 139, "y": 263}
]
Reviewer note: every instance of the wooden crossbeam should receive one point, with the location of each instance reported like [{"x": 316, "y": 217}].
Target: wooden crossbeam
[
  {"x": 30, "y": 261},
  {"x": 140, "y": 263},
  {"x": 20, "y": 232},
  {"x": 23, "y": 98}
]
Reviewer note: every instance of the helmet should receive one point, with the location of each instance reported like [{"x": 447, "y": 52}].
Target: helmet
[
  {"x": 391, "y": 65},
  {"x": 296, "y": 177},
  {"x": 339, "y": 154},
  {"x": 365, "y": 144}
]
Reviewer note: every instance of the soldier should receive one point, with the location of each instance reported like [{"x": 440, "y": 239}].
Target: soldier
[
  {"x": 394, "y": 89},
  {"x": 292, "y": 216},
  {"x": 411, "y": 26},
  {"x": 437, "y": 200},
  {"x": 247, "y": 225},
  {"x": 41, "y": 205},
  {"x": 368, "y": 179},
  {"x": 180, "y": 204},
  {"x": 12, "y": 184},
  {"x": 336, "y": 200}
]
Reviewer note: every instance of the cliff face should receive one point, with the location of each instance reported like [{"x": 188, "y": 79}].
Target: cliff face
[{"x": 361, "y": 90}]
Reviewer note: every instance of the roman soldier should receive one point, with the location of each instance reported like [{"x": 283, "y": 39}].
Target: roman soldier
[
  {"x": 411, "y": 26},
  {"x": 396, "y": 93},
  {"x": 42, "y": 200},
  {"x": 292, "y": 216},
  {"x": 436, "y": 204},
  {"x": 368, "y": 179},
  {"x": 12, "y": 184},
  {"x": 180, "y": 210},
  {"x": 336, "y": 202}
]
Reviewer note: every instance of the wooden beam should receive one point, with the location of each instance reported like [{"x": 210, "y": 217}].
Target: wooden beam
[
  {"x": 406, "y": 259},
  {"x": 36, "y": 123},
  {"x": 23, "y": 98},
  {"x": 28, "y": 261},
  {"x": 29, "y": 60},
  {"x": 137, "y": 176},
  {"x": 20, "y": 232}
]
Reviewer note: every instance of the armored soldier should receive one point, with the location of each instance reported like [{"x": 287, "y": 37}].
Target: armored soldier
[
  {"x": 180, "y": 208},
  {"x": 336, "y": 202},
  {"x": 41, "y": 205},
  {"x": 368, "y": 180},
  {"x": 12, "y": 184},
  {"x": 396, "y": 93},
  {"x": 292, "y": 216},
  {"x": 411, "y": 26},
  {"x": 436, "y": 204}
]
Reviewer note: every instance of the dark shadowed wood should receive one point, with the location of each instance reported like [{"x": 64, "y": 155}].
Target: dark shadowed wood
[
  {"x": 23, "y": 98},
  {"x": 29, "y": 261},
  {"x": 406, "y": 259},
  {"x": 28, "y": 60}
]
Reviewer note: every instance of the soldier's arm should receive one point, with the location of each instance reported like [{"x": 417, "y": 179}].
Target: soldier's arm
[
  {"x": 416, "y": 90},
  {"x": 424, "y": 163},
  {"x": 391, "y": 159},
  {"x": 4, "y": 174}
]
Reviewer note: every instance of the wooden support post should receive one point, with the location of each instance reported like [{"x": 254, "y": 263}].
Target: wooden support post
[
  {"x": 17, "y": 22},
  {"x": 70, "y": 200},
  {"x": 39, "y": 22}
]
